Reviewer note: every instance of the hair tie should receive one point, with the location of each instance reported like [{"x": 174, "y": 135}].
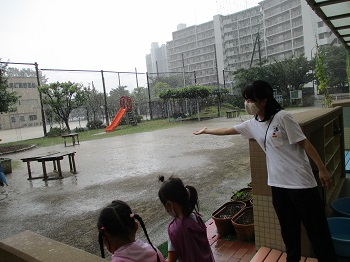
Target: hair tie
[
  {"x": 102, "y": 229},
  {"x": 132, "y": 215}
]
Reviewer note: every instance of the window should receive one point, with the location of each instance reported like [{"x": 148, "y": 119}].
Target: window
[
  {"x": 21, "y": 118},
  {"x": 13, "y": 119},
  {"x": 33, "y": 117}
]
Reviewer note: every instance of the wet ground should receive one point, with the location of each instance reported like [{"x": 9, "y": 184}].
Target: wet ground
[{"x": 127, "y": 168}]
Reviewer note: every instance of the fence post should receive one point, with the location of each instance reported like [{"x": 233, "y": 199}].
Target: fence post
[
  {"x": 149, "y": 98},
  {"x": 105, "y": 98},
  {"x": 41, "y": 100}
]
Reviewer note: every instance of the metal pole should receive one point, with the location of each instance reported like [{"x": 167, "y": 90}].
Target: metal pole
[
  {"x": 223, "y": 75},
  {"x": 119, "y": 79},
  {"x": 41, "y": 100},
  {"x": 137, "y": 82},
  {"x": 105, "y": 98},
  {"x": 217, "y": 76},
  {"x": 149, "y": 99},
  {"x": 183, "y": 69}
]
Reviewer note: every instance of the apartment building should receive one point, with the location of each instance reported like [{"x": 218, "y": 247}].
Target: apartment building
[
  {"x": 27, "y": 111},
  {"x": 272, "y": 30},
  {"x": 156, "y": 61},
  {"x": 242, "y": 36},
  {"x": 193, "y": 49}
]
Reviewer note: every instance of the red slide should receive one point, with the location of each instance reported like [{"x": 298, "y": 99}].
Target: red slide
[{"x": 116, "y": 120}]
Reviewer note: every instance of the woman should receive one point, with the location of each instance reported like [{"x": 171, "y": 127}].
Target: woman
[{"x": 294, "y": 188}]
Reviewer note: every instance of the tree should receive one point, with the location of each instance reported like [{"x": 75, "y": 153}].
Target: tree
[
  {"x": 322, "y": 78},
  {"x": 25, "y": 72},
  {"x": 63, "y": 98},
  {"x": 139, "y": 96},
  {"x": 94, "y": 103},
  {"x": 334, "y": 60},
  {"x": 284, "y": 76},
  {"x": 6, "y": 98},
  {"x": 159, "y": 87}
]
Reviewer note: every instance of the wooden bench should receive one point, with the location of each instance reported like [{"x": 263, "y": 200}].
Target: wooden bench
[
  {"x": 266, "y": 254},
  {"x": 232, "y": 113},
  {"x": 28, "y": 246},
  {"x": 73, "y": 136},
  {"x": 56, "y": 158}
]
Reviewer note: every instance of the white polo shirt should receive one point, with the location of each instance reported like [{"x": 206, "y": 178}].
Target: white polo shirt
[{"x": 287, "y": 163}]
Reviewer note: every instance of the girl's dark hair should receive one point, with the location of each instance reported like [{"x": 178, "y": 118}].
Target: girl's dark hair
[
  {"x": 174, "y": 190},
  {"x": 259, "y": 90},
  {"x": 118, "y": 220}
]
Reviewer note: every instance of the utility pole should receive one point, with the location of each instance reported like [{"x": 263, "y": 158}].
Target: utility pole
[{"x": 41, "y": 100}]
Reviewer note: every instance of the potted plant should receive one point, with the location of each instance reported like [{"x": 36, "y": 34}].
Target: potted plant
[
  {"x": 244, "y": 195},
  {"x": 244, "y": 224},
  {"x": 223, "y": 215}
]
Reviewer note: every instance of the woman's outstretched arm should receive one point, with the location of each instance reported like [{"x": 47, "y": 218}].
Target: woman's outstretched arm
[{"x": 217, "y": 131}]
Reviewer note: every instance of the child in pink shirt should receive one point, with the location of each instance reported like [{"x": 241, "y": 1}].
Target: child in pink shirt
[{"x": 117, "y": 229}]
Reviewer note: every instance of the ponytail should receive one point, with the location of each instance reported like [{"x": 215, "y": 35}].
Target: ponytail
[{"x": 136, "y": 216}]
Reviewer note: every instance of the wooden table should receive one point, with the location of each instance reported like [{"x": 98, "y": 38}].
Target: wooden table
[
  {"x": 73, "y": 136},
  {"x": 56, "y": 158}
]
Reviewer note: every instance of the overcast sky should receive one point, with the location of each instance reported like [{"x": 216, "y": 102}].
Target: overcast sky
[{"x": 105, "y": 35}]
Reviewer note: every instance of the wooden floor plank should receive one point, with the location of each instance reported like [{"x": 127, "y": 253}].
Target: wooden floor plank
[
  {"x": 261, "y": 254},
  {"x": 274, "y": 255}
]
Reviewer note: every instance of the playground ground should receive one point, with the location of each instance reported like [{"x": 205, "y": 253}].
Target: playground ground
[{"x": 123, "y": 167}]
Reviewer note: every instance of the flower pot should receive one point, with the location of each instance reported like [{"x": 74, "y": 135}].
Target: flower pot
[
  {"x": 244, "y": 224},
  {"x": 244, "y": 195},
  {"x": 223, "y": 215},
  {"x": 6, "y": 165}
]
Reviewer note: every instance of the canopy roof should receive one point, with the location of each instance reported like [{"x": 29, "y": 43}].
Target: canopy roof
[{"x": 336, "y": 14}]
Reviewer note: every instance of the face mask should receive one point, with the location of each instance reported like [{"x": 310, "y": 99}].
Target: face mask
[
  {"x": 251, "y": 108},
  {"x": 172, "y": 213}
]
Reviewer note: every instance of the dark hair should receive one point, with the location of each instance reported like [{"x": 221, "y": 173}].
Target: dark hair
[
  {"x": 174, "y": 190},
  {"x": 260, "y": 90},
  {"x": 118, "y": 220}
]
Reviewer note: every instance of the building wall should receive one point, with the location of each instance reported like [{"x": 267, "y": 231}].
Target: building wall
[
  {"x": 274, "y": 29},
  {"x": 27, "y": 111},
  {"x": 193, "y": 49},
  {"x": 156, "y": 61}
]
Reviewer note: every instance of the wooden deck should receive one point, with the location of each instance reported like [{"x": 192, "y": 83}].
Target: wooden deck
[{"x": 229, "y": 249}]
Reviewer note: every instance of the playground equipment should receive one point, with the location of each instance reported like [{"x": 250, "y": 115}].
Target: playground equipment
[{"x": 125, "y": 107}]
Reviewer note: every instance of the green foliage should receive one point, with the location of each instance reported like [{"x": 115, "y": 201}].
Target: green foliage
[
  {"x": 242, "y": 195},
  {"x": 334, "y": 62},
  {"x": 56, "y": 131},
  {"x": 322, "y": 78},
  {"x": 7, "y": 98},
  {"x": 63, "y": 98},
  {"x": 186, "y": 92},
  {"x": 289, "y": 74},
  {"x": 94, "y": 124}
]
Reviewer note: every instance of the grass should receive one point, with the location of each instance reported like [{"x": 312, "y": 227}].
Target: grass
[{"x": 145, "y": 126}]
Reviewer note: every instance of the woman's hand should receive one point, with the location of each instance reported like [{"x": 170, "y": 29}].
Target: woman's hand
[
  {"x": 325, "y": 178},
  {"x": 199, "y": 132}
]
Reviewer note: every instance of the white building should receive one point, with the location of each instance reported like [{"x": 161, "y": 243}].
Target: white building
[
  {"x": 272, "y": 30},
  {"x": 27, "y": 111},
  {"x": 156, "y": 61}
]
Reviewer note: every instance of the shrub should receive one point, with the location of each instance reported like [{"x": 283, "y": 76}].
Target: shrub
[
  {"x": 95, "y": 124},
  {"x": 56, "y": 131}
]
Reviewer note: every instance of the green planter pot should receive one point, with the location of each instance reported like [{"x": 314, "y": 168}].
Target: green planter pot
[{"x": 6, "y": 165}]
